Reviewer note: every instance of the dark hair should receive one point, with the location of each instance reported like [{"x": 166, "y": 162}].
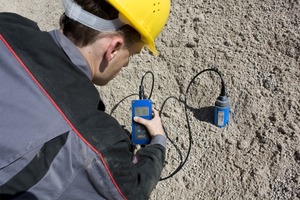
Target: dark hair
[{"x": 82, "y": 35}]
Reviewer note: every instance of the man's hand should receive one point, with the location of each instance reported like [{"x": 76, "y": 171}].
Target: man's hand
[{"x": 154, "y": 126}]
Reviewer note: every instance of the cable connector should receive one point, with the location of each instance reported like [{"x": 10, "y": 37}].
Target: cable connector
[
  {"x": 141, "y": 92},
  {"x": 141, "y": 88}
]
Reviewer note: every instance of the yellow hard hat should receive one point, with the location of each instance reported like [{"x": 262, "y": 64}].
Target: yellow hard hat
[{"x": 148, "y": 17}]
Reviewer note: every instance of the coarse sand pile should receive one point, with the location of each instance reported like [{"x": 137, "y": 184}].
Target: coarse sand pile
[{"x": 256, "y": 46}]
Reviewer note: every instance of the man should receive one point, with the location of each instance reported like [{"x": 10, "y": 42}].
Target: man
[{"x": 56, "y": 140}]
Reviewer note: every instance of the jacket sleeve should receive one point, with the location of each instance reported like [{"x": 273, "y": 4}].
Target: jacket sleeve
[
  {"x": 75, "y": 97},
  {"x": 135, "y": 180}
]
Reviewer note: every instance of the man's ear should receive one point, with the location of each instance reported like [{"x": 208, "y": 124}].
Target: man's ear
[{"x": 115, "y": 45}]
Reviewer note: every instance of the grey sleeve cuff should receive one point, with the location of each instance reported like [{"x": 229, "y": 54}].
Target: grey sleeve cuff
[{"x": 159, "y": 139}]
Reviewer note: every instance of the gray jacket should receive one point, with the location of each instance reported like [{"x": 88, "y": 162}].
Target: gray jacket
[{"x": 56, "y": 140}]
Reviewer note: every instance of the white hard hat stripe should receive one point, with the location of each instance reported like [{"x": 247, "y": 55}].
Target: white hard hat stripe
[{"x": 75, "y": 12}]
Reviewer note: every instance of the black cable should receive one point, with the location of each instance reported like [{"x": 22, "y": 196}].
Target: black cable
[
  {"x": 142, "y": 96},
  {"x": 223, "y": 93},
  {"x": 117, "y": 105},
  {"x": 141, "y": 92},
  {"x": 172, "y": 142},
  {"x": 141, "y": 88}
]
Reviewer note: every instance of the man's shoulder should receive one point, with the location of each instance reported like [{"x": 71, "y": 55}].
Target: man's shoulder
[{"x": 16, "y": 19}]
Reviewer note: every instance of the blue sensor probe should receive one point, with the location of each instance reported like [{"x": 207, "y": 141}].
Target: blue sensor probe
[
  {"x": 141, "y": 108},
  {"x": 222, "y": 110}
]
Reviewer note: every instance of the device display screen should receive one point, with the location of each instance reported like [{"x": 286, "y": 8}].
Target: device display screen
[{"x": 141, "y": 111}]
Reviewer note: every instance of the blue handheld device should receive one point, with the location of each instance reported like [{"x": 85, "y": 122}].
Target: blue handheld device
[
  {"x": 141, "y": 108},
  {"x": 222, "y": 109}
]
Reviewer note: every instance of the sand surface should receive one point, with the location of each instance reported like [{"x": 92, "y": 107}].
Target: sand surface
[{"x": 256, "y": 46}]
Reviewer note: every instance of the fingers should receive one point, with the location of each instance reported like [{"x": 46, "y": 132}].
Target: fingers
[
  {"x": 154, "y": 126},
  {"x": 143, "y": 121},
  {"x": 140, "y": 120},
  {"x": 155, "y": 112}
]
